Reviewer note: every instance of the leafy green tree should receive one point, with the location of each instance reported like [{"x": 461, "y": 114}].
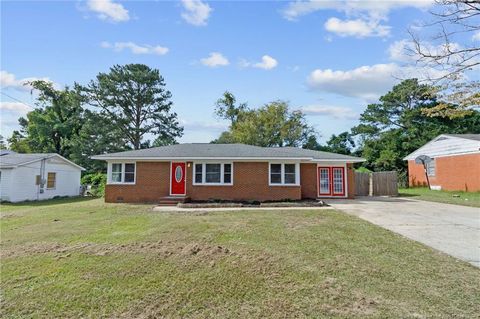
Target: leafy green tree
[
  {"x": 397, "y": 125},
  {"x": 342, "y": 143},
  {"x": 271, "y": 125},
  {"x": 52, "y": 126},
  {"x": 97, "y": 136},
  {"x": 134, "y": 98},
  {"x": 226, "y": 107},
  {"x": 18, "y": 143},
  {"x": 3, "y": 146}
]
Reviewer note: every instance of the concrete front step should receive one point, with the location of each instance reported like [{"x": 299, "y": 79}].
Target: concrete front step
[{"x": 172, "y": 200}]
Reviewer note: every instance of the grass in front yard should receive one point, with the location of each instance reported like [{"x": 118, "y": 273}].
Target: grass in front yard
[
  {"x": 449, "y": 197},
  {"x": 84, "y": 258}
]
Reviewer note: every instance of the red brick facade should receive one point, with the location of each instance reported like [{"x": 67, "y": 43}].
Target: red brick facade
[
  {"x": 459, "y": 172},
  {"x": 250, "y": 182},
  {"x": 152, "y": 183}
]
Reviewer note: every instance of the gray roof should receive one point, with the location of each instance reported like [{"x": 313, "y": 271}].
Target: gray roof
[
  {"x": 12, "y": 160},
  {"x": 230, "y": 151},
  {"x": 5, "y": 152},
  {"x": 475, "y": 137}
]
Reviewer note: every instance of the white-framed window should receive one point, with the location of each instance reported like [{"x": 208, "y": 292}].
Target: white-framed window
[
  {"x": 431, "y": 168},
  {"x": 51, "y": 180},
  {"x": 213, "y": 173},
  {"x": 284, "y": 174},
  {"x": 122, "y": 173}
]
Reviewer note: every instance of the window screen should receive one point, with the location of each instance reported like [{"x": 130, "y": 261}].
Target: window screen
[
  {"x": 51, "y": 180},
  {"x": 227, "y": 173},
  {"x": 212, "y": 173},
  {"x": 289, "y": 174},
  {"x": 117, "y": 172},
  {"x": 275, "y": 173},
  {"x": 431, "y": 167},
  {"x": 129, "y": 173},
  {"x": 198, "y": 173}
]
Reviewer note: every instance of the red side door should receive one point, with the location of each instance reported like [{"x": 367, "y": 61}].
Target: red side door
[
  {"x": 177, "y": 178},
  {"x": 331, "y": 181}
]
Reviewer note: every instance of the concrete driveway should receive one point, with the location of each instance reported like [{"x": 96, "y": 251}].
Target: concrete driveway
[{"x": 452, "y": 229}]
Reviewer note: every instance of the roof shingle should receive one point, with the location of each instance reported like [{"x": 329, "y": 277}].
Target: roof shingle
[{"x": 207, "y": 150}]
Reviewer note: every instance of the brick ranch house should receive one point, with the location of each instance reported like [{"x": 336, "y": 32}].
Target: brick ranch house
[
  {"x": 455, "y": 165},
  {"x": 234, "y": 172}
]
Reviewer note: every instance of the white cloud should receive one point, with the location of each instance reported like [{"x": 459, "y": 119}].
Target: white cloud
[
  {"x": 215, "y": 59},
  {"x": 357, "y": 27},
  {"x": 363, "y": 16},
  {"x": 406, "y": 52},
  {"x": 15, "y": 107},
  {"x": 108, "y": 10},
  {"x": 135, "y": 48},
  {"x": 476, "y": 36},
  {"x": 372, "y": 8},
  {"x": 196, "y": 12},
  {"x": 366, "y": 82},
  {"x": 267, "y": 63},
  {"x": 401, "y": 51},
  {"x": 337, "y": 112},
  {"x": 9, "y": 80}
]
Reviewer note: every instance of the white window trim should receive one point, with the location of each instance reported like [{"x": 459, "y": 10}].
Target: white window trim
[
  {"x": 297, "y": 174},
  {"x": 204, "y": 174},
  {"x": 122, "y": 182},
  {"x": 54, "y": 182},
  {"x": 428, "y": 167}
]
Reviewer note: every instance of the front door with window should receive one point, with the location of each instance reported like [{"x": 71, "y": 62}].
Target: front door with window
[
  {"x": 331, "y": 181},
  {"x": 177, "y": 178}
]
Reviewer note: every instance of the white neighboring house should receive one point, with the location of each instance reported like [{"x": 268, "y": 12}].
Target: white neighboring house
[{"x": 37, "y": 176}]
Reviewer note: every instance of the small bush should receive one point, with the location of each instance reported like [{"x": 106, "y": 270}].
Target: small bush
[{"x": 97, "y": 181}]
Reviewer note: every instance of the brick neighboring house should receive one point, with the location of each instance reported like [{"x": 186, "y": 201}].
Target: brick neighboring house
[
  {"x": 203, "y": 172},
  {"x": 455, "y": 165}
]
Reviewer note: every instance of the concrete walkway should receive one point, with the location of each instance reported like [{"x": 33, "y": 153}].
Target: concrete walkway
[
  {"x": 452, "y": 229},
  {"x": 175, "y": 209}
]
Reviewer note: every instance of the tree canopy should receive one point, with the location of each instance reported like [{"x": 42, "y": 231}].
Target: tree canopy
[
  {"x": 273, "y": 124},
  {"x": 396, "y": 126},
  {"x": 135, "y": 99},
  {"x": 130, "y": 102}
]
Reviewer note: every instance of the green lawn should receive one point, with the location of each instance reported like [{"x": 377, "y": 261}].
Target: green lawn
[
  {"x": 84, "y": 258},
  {"x": 455, "y": 197}
]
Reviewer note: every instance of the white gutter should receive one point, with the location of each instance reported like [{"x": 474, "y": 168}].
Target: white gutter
[{"x": 309, "y": 159}]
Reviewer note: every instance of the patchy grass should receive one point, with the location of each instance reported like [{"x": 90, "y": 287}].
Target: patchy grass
[
  {"x": 453, "y": 197},
  {"x": 84, "y": 258}
]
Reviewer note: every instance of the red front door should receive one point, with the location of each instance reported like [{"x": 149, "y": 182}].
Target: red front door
[
  {"x": 331, "y": 181},
  {"x": 177, "y": 179}
]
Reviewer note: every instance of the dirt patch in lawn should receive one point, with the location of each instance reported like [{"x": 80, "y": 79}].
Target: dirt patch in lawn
[{"x": 163, "y": 248}]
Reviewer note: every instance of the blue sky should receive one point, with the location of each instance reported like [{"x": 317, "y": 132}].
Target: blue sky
[{"x": 328, "y": 58}]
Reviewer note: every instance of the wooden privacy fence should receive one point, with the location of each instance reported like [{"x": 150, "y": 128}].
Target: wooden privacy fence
[{"x": 376, "y": 184}]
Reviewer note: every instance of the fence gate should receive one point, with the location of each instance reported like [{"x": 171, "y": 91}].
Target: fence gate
[
  {"x": 376, "y": 184},
  {"x": 362, "y": 184}
]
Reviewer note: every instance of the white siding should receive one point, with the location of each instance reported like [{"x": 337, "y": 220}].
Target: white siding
[
  {"x": 4, "y": 182},
  {"x": 20, "y": 185},
  {"x": 446, "y": 146}
]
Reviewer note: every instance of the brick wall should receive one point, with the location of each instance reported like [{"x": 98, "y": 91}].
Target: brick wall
[
  {"x": 460, "y": 172},
  {"x": 308, "y": 180},
  {"x": 250, "y": 182},
  {"x": 152, "y": 183}
]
